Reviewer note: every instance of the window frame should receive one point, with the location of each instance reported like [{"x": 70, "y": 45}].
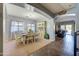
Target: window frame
[{"x": 17, "y": 26}]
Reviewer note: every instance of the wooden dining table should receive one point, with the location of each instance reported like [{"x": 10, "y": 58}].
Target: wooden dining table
[{"x": 25, "y": 36}]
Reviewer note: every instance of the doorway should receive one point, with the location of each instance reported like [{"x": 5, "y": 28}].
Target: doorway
[{"x": 67, "y": 27}]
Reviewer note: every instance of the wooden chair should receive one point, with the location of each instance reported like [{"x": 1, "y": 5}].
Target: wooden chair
[
  {"x": 19, "y": 39},
  {"x": 37, "y": 37},
  {"x": 29, "y": 38}
]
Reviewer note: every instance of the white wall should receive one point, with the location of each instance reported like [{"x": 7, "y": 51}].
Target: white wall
[
  {"x": 65, "y": 18},
  {"x": 51, "y": 29}
]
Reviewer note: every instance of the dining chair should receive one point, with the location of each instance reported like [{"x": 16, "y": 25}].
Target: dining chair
[
  {"x": 29, "y": 38},
  {"x": 19, "y": 38},
  {"x": 37, "y": 37},
  {"x": 23, "y": 39}
]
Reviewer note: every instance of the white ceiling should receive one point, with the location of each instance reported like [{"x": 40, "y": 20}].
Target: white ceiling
[
  {"x": 58, "y": 7},
  {"x": 23, "y": 12}
]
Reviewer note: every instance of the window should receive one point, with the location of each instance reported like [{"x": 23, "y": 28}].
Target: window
[
  {"x": 62, "y": 27},
  {"x": 17, "y": 26},
  {"x": 67, "y": 27},
  {"x": 31, "y": 26}
]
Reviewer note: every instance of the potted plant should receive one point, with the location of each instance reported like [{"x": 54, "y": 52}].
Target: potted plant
[{"x": 46, "y": 35}]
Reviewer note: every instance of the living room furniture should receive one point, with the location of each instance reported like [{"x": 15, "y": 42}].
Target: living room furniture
[{"x": 60, "y": 33}]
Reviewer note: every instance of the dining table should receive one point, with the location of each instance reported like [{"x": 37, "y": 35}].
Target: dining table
[{"x": 26, "y": 36}]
